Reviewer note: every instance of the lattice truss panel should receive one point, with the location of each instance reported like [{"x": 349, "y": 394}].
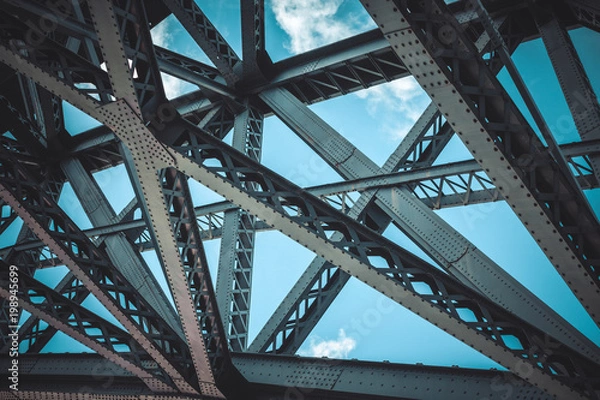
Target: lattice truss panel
[{"x": 169, "y": 332}]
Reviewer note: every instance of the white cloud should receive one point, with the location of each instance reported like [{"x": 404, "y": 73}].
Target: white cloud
[
  {"x": 337, "y": 348},
  {"x": 314, "y": 23},
  {"x": 398, "y": 104},
  {"x": 162, "y": 35}
]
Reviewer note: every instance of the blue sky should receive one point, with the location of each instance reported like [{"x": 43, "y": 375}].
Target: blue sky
[{"x": 361, "y": 323}]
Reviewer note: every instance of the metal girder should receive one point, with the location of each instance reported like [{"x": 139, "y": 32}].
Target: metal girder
[
  {"x": 177, "y": 242},
  {"x": 183, "y": 218},
  {"x": 290, "y": 377},
  {"x": 90, "y": 376},
  {"x": 254, "y": 54},
  {"x": 460, "y": 257},
  {"x": 352, "y": 64},
  {"x": 471, "y": 98},
  {"x": 313, "y": 293},
  {"x": 91, "y": 266},
  {"x": 377, "y": 261},
  {"x": 39, "y": 115},
  {"x": 438, "y": 187},
  {"x": 573, "y": 80},
  {"x": 234, "y": 279},
  {"x": 207, "y": 37},
  {"x": 293, "y": 377},
  {"x": 118, "y": 248},
  {"x": 182, "y": 264},
  {"x": 83, "y": 325},
  {"x": 169, "y": 59},
  {"x": 304, "y": 376},
  {"x": 587, "y": 12},
  {"x": 32, "y": 332},
  {"x": 19, "y": 124},
  {"x": 133, "y": 70},
  {"x": 207, "y": 78}
]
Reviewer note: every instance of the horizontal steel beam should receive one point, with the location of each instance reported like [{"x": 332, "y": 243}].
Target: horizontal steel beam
[
  {"x": 398, "y": 381},
  {"x": 423, "y": 183},
  {"x": 293, "y": 376}
]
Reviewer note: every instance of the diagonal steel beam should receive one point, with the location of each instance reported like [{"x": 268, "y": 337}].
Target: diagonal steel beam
[
  {"x": 91, "y": 266},
  {"x": 208, "y": 38},
  {"x": 106, "y": 339},
  {"x": 313, "y": 293},
  {"x": 573, "y": 80},
  {"x": 374, "y": 260},
  {"x": 468, "y": 93},
  {"x": 133, "y": 70},
  {"x": 459, "y": 256},
  {"x": 308, "y": 221},
  {"x": 183, "y": 218},
  {"x": 186, "y": 270},
  {"x": 119, "y": 250}
]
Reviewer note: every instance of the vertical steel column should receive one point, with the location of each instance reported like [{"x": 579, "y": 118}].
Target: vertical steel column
[
  {"x": 253, "y": 39},
  {"x": 234, "y": 279}
]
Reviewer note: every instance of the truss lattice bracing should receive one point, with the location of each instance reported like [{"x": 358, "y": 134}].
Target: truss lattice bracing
[{"x": 160, "y": 328}]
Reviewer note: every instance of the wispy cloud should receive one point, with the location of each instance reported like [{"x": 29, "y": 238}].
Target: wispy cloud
[
  {"x": 402, "y": 98},
  {"x": 314, "y": 23},
  {"x": 336, "y": 348},
  {"x": 162, "y": 35}
]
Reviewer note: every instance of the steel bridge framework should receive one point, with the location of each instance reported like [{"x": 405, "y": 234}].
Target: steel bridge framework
[{"x": 98, "y": 55}]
